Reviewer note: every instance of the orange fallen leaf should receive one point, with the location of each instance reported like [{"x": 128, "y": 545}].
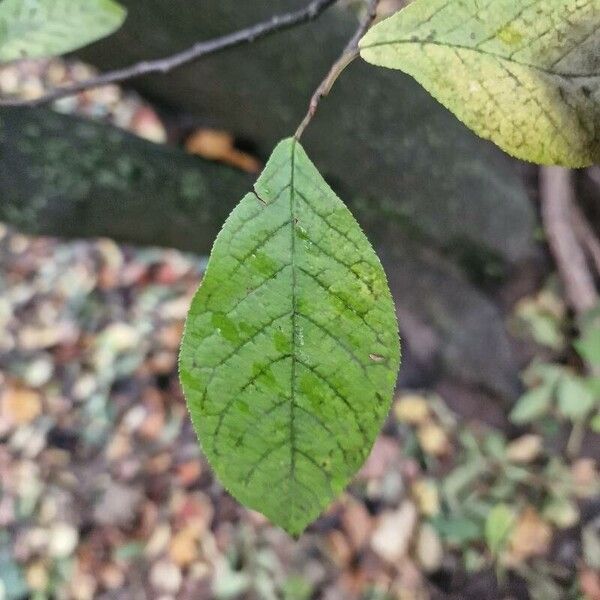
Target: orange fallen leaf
[
  {"x": 531, "y": 536},
  {"x": 214, "y": 144},
  {"x": 20, "y": 406},
  {"x": 412, "y": 409},
  {"x": 189, "y": 472},
  {"x": 433, "y": 439},
  {"x": 183, "y": 549}
]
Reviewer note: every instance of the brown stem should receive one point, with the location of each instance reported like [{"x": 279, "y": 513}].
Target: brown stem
[
  {"x": 163, "y": 65},
  {"x": 557, "y": 198},
  {"x": 348, "y": 55},
  {"x": 587, "y": 236}
]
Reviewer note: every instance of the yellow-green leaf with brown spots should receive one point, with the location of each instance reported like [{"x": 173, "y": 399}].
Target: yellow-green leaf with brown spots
[{"x": 524, "y": 74}]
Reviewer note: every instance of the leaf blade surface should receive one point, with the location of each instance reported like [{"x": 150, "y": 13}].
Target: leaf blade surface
[
  {"x": 45, "y": 28},
  {"x": 524, "y": 74},
  {"x": 290, "y": 352}
]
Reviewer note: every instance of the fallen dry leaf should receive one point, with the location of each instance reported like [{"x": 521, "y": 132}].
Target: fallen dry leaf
[
  {"x": 214, "y": 144},
  {"x": 394, "y": 532},
  {"x": 339, "y": 548},
  {"x": 525, "y": 449},
  {"x": 428, "y": 548},
  {"x": 427, "y": 497},
  {"x": 37, "y": 576},
  {"x": 412, "y": 409},
  {"x": 159, "y": 540},
  {"x": 147, "y": 125},
  {"x": 357, "y": 523},
  {"x": 433, "y": 439},
  {"x": 20, "y": 406},
  {"x": 183, "y": 549},
  {"x": 189, "y": 472},
  {"x": 112, "y": 577},
  {"x": 531, "y": 536},
  {"x": 589, "y": 580},
  {"x": 166, "y": 577},
  {"x": 586, "y": 479},
  {"x": 385, "y": 452}
]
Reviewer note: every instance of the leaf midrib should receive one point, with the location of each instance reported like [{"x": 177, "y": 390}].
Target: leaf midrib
[
  {"x": 484, "y": 53},
  {"x": 294, "y": 333}
]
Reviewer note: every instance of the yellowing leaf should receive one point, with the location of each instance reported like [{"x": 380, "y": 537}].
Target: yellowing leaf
[
  {"x": 43, "y": 28},
  {"x": 277, "y": 357},
  {"x": 524, "y": 74}
]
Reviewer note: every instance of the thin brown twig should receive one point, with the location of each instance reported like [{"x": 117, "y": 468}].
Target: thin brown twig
[
  {"x": 587, "y": 236},
  {"x": 163, "y": 65},
  {"x": 348, "y": 55},
  {"x": 557, "y": 199}
]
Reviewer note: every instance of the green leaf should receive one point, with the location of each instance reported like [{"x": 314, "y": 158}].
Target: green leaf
[
  {"x": 43, "y": 28},
  {"x": 461, "y": 478},
  {"x": 291, "y": 350},
  {"x": 457, "y": 530},
  {"x": 546, "y": 374},
  {"x": 588, "y": 346},
  {"x": 523, "y": 74},
  {"x": 575, "y": 399},
  {"x": 532, "y": 405},
  {"x": 498, "y": 524}
]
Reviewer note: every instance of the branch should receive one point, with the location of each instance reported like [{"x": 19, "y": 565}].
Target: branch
[
  {"x": 557, "y": 198},
  {"x": 348, "y": 55},
  {"x": 163, "y": 65},
  {"x": 587, "y": 236}
]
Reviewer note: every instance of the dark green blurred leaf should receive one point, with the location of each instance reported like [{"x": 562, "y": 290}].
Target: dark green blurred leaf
[{"x": 457, "y": 530}]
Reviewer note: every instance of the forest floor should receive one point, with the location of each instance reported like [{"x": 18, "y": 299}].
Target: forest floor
[{"x": 105, "y": 492}]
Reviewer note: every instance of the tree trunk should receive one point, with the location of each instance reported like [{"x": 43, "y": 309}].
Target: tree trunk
[{"x": 69, "y": 177}]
